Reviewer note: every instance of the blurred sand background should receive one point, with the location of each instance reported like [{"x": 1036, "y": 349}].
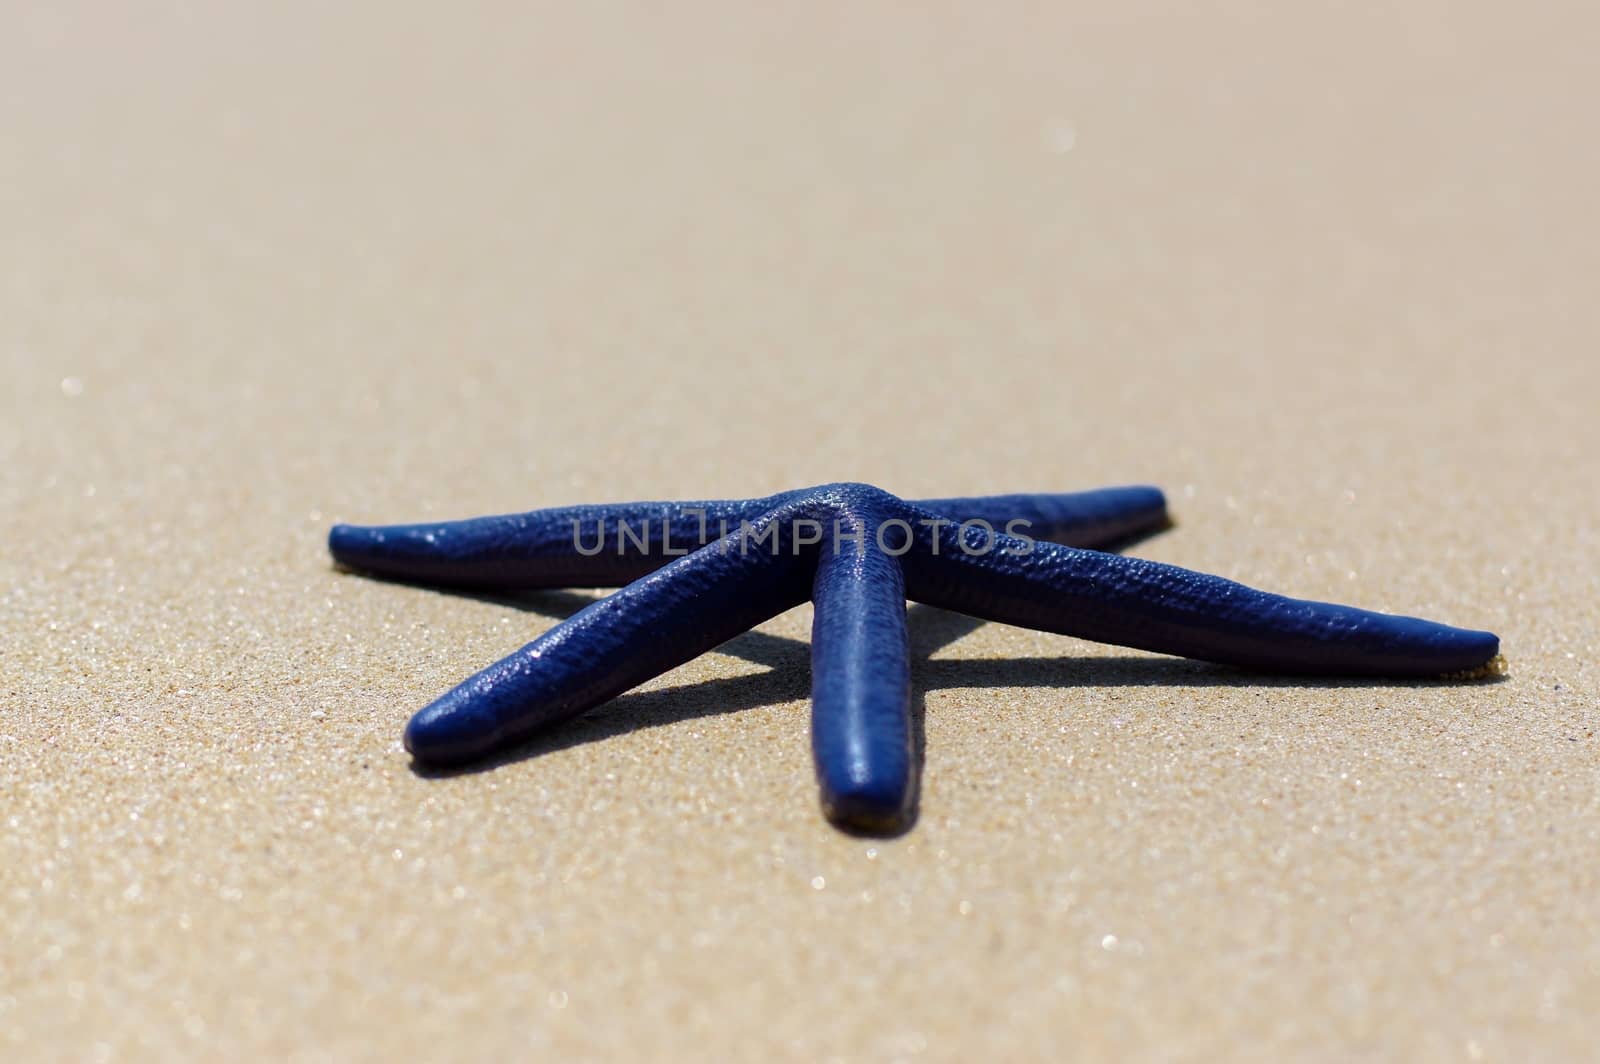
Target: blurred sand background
[{"x": 1325, "y": 272}]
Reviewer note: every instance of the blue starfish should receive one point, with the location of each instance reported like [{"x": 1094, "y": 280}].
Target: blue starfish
[{"x": 696, "y": 574}]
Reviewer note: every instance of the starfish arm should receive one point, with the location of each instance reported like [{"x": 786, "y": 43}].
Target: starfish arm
[
  {"x": 610, "y": 545},
  {"x": 655, "y": 623},
  {"x": 569, "y": 546},
  {"x": 1079, "y": 518},
  {"x": 861, "y": 688},
  {"x": 1143, "y": 604}
]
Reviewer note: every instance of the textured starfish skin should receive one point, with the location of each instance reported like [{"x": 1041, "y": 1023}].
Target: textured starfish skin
[{"x": 760, "y": 557}]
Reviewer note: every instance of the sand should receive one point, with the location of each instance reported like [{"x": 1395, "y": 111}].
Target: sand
[{"x": 1327, "y": 276}]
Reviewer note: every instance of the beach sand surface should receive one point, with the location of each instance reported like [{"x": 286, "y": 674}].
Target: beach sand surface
[{"x": 1324, "y": 273}]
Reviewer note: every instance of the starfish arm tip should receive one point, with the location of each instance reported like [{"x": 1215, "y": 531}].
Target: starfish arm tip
[
  {"x": 398, "y": 552},
  {"x": 873, "y": 804},
  {"x": 451, "y": 730},
  {"x": 1474, "y": 655},
  {"x": 348, "y": 544},
  {"x": 1412, "y": 646}
]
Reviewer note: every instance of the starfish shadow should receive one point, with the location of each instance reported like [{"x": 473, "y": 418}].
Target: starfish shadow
[{"x": 787, "y": 678}]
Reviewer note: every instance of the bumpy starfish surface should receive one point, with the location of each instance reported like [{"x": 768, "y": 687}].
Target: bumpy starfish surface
[{"x": 696, "y": 574}]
